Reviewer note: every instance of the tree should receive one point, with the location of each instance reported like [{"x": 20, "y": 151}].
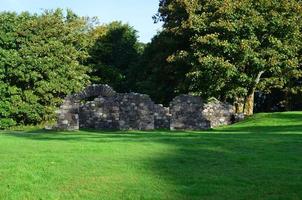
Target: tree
[
  {"x": 115, "y": 51},
  {"x": 236, "y": 47},
  {"x": 156, "y": 75},
  {"x": 40, "y": 62}
]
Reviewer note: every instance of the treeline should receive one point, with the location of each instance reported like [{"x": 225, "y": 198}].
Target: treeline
[
  {"x": 41, "y": 60},
  {"x": 44, "y": 57},
  {"x": 230, "y": 50}
]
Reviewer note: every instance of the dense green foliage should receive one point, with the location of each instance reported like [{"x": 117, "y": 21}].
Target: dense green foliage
[
  {"x": 114, "y": 54},
  {"x": 236, "y": 47},
  {"x": 214, "y": 48},
  {"x": 158, "y": 77},
  {"x": 256, "y": 159},
  {"x": 40, "y": 62}
]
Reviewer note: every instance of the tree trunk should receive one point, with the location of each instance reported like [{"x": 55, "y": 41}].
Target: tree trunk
[
  {"x": 249, "y": 100},
  {"x": 249, "y": 104},
  {"x": 239, "y": 105}
]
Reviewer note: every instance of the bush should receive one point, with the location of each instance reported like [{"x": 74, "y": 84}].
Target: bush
[
  {"x": 41, "y": 60},
  {"x": 6, "y": 123}
]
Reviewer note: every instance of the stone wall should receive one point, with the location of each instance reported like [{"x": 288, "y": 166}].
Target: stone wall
[
  {"x": 218, "y": 113},
  {"x": 102, "y": 113},
  {"x": 191, "y": 113},
  {"x": 132, "y": 111},
  {"x": 136, "y": 112},
  {"x": 162, "y": 117},
  {"x": 129, "y": 111},
  {"x": 186, "y": 112},
  {"x": 68, "y": 115},
  {"x": 93, "y": 91}
]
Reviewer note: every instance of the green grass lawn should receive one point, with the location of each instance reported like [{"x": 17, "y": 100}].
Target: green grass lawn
[{"x": 260, "y": 158}]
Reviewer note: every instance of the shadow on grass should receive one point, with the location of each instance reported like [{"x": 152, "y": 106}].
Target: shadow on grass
[
  {"x": 283, "y": 123},
  {"x": 264, "y": 124},
  {"x": 161, "y": 135},
  {"x": 236, "y": 162},
  {"x": 296, "y": 116},
  {"x": 263, "y": 129},
  {"x": 234, "y": 166}
]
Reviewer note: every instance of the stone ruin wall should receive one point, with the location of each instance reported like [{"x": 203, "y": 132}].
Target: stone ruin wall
[
  {"x": 123, "y": 111},
  {"x": 103, "y": 112},
  {"x": 186, "y": 112},
  {"x": 191, "y": 113},
  {"x": 68, "y": 115},
  {"x": 132, "y": 111},
  {"x": 218, "y": 113},
  {"x": 162, "y": 117}
]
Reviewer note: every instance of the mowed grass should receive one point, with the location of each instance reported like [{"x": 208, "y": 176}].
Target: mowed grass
[{"x": 260, "y": 158}]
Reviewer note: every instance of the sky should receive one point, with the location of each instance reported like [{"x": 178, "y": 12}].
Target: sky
[{"x": 138, "y": 13}]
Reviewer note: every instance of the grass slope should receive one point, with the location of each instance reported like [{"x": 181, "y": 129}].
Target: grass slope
[{"x": 260, "y": 158}]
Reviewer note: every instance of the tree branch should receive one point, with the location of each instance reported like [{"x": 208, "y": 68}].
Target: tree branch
[{"x": 257, "y": 80}]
